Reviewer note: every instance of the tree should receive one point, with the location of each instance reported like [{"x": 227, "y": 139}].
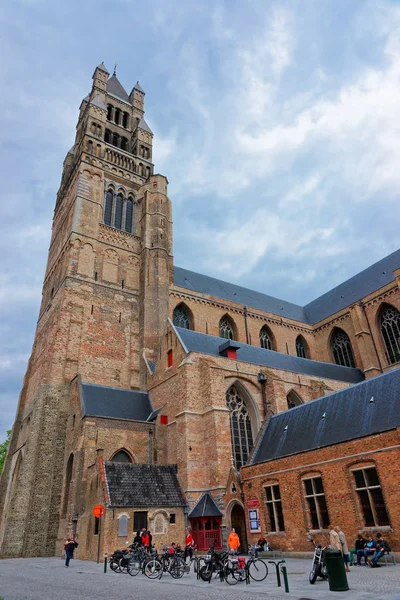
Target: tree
[{"x": 3, "y": 450}]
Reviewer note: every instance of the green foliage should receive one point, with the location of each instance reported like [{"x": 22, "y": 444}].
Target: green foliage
[{"x": 3, "y": 451}]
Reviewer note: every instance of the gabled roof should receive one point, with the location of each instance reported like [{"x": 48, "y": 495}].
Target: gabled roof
[
  {"x": 367, "y": 408},
  {"x": 102, "y": 67},
  {"x": 209, "y": 344},
  {"x": 205, "y": 507},
  {"x": 114, "y": 403},
  {"x": 139, "y": 88},
  {"x": 115, "y": 88},
  {"x": 130, "y": 484},
  {"x": 143, "y": 125},
  {"x": 345, "y": 294},
  {"x": 97, "y": 101}
]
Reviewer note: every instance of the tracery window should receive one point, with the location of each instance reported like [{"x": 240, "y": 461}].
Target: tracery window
[
  {"x": 118, "y": 212},
  {"x": 181, "y": 317},
  {"x": 266, "y": 338},
  {"x": 293, "y": 399},
  {"x": 301, "y": 347},
  {"x": 121, "y": 456},
  {"x": 226, "y": 328},
  {"x": 390, "y": 328},
  {"x": 240, "y": 425},
  {"x": 341, "y": 349}
]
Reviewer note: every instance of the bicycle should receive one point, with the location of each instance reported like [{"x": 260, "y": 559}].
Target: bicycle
[{"x": 257, "y": 567}]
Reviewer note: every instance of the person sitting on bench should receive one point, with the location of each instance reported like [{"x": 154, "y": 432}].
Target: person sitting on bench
[
  {"x": 369, "y": 548},
  {"x": 381, "y": 547}
]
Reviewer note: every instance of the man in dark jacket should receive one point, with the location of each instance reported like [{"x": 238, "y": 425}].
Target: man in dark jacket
[
  {"x": 381, "y": 547},
  {"x": 69, "y": 547}
]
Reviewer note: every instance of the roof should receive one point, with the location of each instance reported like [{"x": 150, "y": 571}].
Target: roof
[
  {"x": 345, "y": 294},
  {"x": 115, "y": 403},
  {"x": 102, "y": 67},
  {"x": 97, "y": 101},
  {"x": 115, "y": 88},
  {"x": 367, "y": 408},
  {"x": 138, "y": 87},
  {"x": 209, "y": 344},
  {"x": 130, "y": 484},
  {"x": 143, "y": 125},
  {"x": 205, "y": 507}
]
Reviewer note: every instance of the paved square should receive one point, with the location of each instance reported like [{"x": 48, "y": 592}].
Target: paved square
[{"x": 49, "y": 579}]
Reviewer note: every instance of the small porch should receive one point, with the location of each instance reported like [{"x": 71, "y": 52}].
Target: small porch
[{"x": 205, "y": 521}]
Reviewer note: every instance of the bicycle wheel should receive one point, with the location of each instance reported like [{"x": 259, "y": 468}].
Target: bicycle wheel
[
  {"x": 206, "y": 572},
  {"x": 133, "y": 567},
  {"x": 258, "y": 569},
  {"x": 152, "y": 568},
  {"x": 176, "y": 568},
  {"x": 232, "y": 575}
]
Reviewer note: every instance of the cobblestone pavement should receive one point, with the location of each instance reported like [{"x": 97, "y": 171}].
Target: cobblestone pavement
[{"x": 49, "y": 579}]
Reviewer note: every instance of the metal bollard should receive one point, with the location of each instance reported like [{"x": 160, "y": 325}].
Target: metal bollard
[
  {"x": 278, "y": 576},
  {"x": 105, "y": 561},
  {"x": 285, "y": 577}
]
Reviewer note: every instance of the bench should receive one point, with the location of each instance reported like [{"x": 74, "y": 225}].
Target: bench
[
  {"x": 387, "y": 557},
  {"x": 270, "y": 554}
]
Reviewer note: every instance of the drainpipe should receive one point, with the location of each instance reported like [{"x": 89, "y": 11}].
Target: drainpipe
[
  {"x": 245, "y": 323},
  {"x": 150, "y": 446}
]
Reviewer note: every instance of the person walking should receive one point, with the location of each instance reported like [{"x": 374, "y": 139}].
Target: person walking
[
  {"x": 189, "y": 543},
  {"x": 345, "y": 548},
  {"x": 233, "y": 541},
  {"x": 69, "y": 547}
]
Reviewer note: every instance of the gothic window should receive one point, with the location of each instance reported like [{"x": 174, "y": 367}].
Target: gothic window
[
  {"x": 181, "y": 317},
  {"x": 370, "y": 495},
  {"x": 109, "y": 111},
  {"x": 123, "y": 526},
  {"x": 390, "y": 329},
  {"x": 302, "y": 347},
  {"x": 108, "y": 207},
  {"x": 226, "y": 328},
  {"x": 293, "y": 399},
  {"x": 240, "y": 425},
  {"x": 121, "y": 456},
  {"x": 266, "y": 338},
  {"x": 119, "y": 204},
  {"x": 341, "y": 349},
  {"x": 107, "y": 136},
  {"x": 129, "y": 215}
]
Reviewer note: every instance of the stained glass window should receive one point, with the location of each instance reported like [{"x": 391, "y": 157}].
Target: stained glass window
[
  {"x": 390, "y": 328},
  {"x": 240, "y": 424},
  {"x": 181, "y": 317},
  {"x": 301, "y": 347},
  {"x": 341, "y": 348},
  {"x": 226, "y": 328}
]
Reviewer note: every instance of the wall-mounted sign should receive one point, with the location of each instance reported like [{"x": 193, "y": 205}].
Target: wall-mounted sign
[
  {"x": 254, "y": 520},
  {"x": 253, "y": 502}
]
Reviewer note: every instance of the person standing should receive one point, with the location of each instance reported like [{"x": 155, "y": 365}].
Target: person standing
[
  {"x": 233, "y": 541},
  {"x": 345, "y": 548},
  {"x": 334, "y": 539},
  {"x": 189, "y": 543},
  {"x": 145, "y": 539},
  {"x": 69, "y": 547}
]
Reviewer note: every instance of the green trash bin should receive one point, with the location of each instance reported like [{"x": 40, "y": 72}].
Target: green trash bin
[{"x": 336, "y": 572}]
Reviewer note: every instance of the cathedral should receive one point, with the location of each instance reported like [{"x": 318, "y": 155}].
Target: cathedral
[{"x": 172, "y": 398}]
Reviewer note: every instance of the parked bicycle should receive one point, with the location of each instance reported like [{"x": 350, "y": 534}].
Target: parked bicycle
[{"x": 214, "y": 563}]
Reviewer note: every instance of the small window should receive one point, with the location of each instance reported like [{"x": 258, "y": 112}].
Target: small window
[
  {"x": 109, "y": 112},
  {"x": 293, "y": 399},
  {"x": 181, "y": 317},
  {"x": 139, "y": 520},
  {"x": 96, "y": 525},
  {"x": 341, "y": 349},
  {"x": 170, "y": 358},
  {"x": 172, "y": 518},
  {"x": 121, "y": 456},
  {"x": 123, "y": 526},
  {"x": 370, "y": 495},
  {"x": 266, "y": 338},
  {"x": 108, "y": 207},
  {"x": 226, "y": 328},
  {"x": 315, "y": 498},
  {"x": 301, "y": 347},
  {"x": 274, "y": 508},
  {"x": 129, "y": 215}
]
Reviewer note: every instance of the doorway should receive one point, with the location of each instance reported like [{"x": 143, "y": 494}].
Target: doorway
[{"x": 238, "y": 522}]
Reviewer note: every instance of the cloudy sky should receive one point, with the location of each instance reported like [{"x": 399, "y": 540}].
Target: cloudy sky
[{"x": 277, "y": 124}]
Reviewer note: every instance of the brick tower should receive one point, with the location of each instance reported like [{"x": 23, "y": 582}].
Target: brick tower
[{"x": 105, "y": 300}]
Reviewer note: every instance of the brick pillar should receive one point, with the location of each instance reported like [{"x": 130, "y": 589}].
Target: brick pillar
[{"x": 365, "y": 343}]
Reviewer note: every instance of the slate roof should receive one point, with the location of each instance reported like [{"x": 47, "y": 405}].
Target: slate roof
[
  {"x": 97, "y": 101},
  {"x": 130, "y": 484},
  {"x": 102, "y": 67},
  {"x": 138, "y": 87},
  {"x": 205, "y": 507},
  {"x": 209, "y": 344},
  {"x": 115, "y": 403},
  {"x": 367, "y": 408},
  {"x": 345, "y": 294},
  {"x": 115, "y": 88},
  {"x": 143, "y": 125}
]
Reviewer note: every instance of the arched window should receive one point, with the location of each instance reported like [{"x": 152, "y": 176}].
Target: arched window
[
  {"x": 119, "y": 204},
  {"x": 115, "y": 140},
  {"x": 107, "y": 136},
  {"x": 293, "y": 399},
  {"x": 266, "y": 338},
  {"x": 341, "y": 349},
  {"x": 123, "y": 526},
  {"x": 302, "y": 347},
  {"x": 108, "y": 207},
  {"x": 181, "y": 317},
  {"x": 226, "y": 328},
  {"x": 124, "y": 143},
  {"x": 117, "y": 115},
  {"x": 125, "y": 120},
  {"x": 68, "y": 477},
  {"x": 121, "y": 456},
  {"x": 390, "y": 329},
  {"x": 129, "y": 215},
  {"x": 109, "y": 111},
  {"x": 240, "y": 425}
]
